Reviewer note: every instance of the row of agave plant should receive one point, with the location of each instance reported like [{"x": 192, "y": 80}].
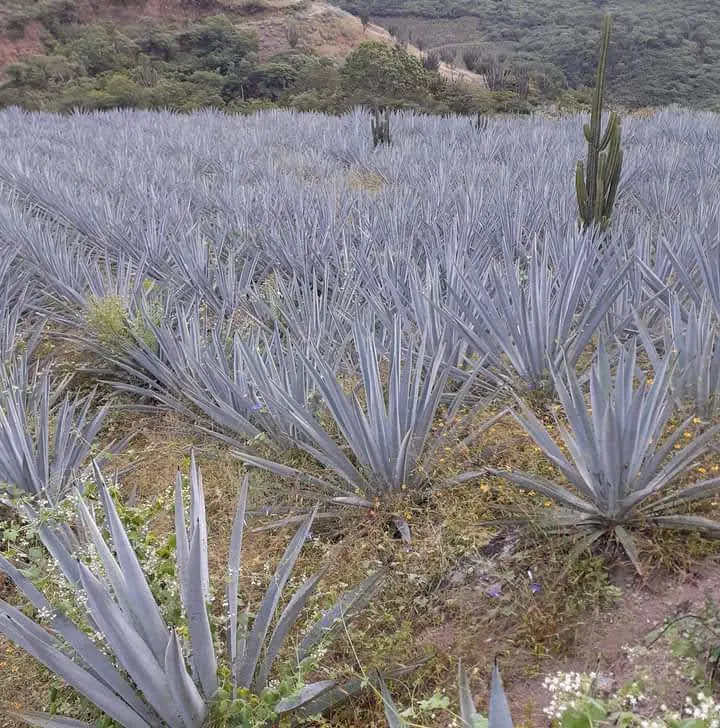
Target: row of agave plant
[{"x": 280, "y": 305}]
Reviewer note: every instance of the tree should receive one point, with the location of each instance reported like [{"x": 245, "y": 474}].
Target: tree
[
  {"x": 431, "y": 61},
  {"x": 471, "y": 58},
  {"x": 377, "y": 70},
  {"x": 215, "y": 44},
  {"x": 494, "y": 70},
  {"x": 154, "y": 39},
  {"x": 102, "y": 48}
]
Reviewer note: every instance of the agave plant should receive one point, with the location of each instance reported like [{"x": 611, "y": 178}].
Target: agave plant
[
  {"x": 498, "y": 712},
  {"x": 527, "y": 316},
  {"x": 146, "y": 674},
  {"x": 622, "y": 460},
  {"x": 386, "y": 428},
  {"x": 45, "y": 437},
  {"x": 692, "y": 333}
]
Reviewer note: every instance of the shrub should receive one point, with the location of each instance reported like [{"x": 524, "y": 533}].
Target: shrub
[
  {"x": 471, "y": 58},
  {"x": 431, "y": 61}
]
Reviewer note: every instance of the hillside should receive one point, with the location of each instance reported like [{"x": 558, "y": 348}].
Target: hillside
[
  {"x": 328, "y": 30},
  {"x": 662, "y": 52},
  {"x": 58, "y": 55}
]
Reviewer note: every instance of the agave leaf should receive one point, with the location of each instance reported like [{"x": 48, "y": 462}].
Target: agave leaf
[
  {"x": 55, "y": 546},
  {"x": 349, "y": 603},
  {"x": 241, "y": 643},
  {"x": 137, "y": 590},
  {"x": 547, "y": 488},
  {"x": 234, "y": 559},
  {"x": 327, "y": 451},
  {"x": 305, "y": 695},
  {"x": 340, "y": 693},
  {"x": 182, "y": 545},
  {"x": 286, "y": 471},
  {"x": 630, "y": 547},
  {"x": 97, "y": 663},
  {"x": 677, "y": 464},
  {"x": 690, "y": 494},
  {"x": 263, "y": 618},
  {"x": 538, "y": 433},
  {"x": 198, "y": 520},
  {"x": 584, "y": 542},
  {"x": 130, "y": 649},
  {"x": 468, "y": 714},
  {"x": 392, "y": 714},
  {"x": 499, "y": 710},
  {"x": 183, "y": 690},
  {"x": 46, "y": 720},
  {"x": 22, "y": 631},
  {"x": 287, "y": 620},
  {"x": 203, "y": 650},
  {"x": 113, "y": 572},
  {"x": 689, "y": 523},
  {"x": 353, "y": 500}
]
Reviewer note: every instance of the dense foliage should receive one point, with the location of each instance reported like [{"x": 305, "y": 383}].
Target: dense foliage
[
  {"x": 212, "y": 62},
  {"x": 661, "y": 53}
]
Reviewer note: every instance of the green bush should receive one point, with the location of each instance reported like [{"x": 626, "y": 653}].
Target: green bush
[
  {"x": 101, "y": 48},
  {"x": 375, "y": 70}
]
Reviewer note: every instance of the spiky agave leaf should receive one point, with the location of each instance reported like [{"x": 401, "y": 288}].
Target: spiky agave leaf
[
  {"x": 120, "y": 607},
  {"x": 468, "y": 714},
  {"x": 621, "y": 458},
  {"x": 498, "y": 712},
  {"x": 694, "y": 334},
  {"x": 188, "y": 367},
  {"x": 386, "y": 432},
  {"x": 32, "y": 407},
  {"x": 392, "y": 713},
  {"x": 528, "y": 314}
]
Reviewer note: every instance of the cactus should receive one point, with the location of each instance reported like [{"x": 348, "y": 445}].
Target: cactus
[
  {"x": 596, "y": 181},
  {"x": 481, "y": 122},
  {"x": 380, "y": 126}
]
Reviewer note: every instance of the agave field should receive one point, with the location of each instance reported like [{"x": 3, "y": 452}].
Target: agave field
[{"x": 336, "y": 317}]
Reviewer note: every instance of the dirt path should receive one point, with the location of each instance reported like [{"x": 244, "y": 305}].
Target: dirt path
[{"x": 614, "y": 643}]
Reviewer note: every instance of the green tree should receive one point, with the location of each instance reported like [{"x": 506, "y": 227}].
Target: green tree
[
  {"x": 101, "y": 48},
  {"x": 215, "y": 44},
  {"x": 375, "y": 70}
]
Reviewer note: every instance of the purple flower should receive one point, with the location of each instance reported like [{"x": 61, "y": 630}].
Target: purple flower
[
  {"x": 256, "y": 406},
  {"x": 534, "y": 585},
  {"x": 495, "y": 590}
]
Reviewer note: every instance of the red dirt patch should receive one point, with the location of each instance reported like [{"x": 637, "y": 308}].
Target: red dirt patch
[{"x": 30, "y": 44}]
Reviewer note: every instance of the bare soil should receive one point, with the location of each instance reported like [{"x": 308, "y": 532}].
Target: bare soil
[{"x": 614, "y": 643}]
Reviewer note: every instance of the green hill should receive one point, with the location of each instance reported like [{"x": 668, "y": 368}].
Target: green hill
[{"x": 662, "y": 51}]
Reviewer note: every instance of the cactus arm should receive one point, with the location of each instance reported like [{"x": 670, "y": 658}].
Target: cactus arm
[
  {"x": 581, "y": 190},
  {"x": 613, "y": 186}
]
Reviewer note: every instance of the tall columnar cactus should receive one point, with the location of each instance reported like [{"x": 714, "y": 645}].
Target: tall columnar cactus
[
  {"x": 380, "y": 126},
  {"x": 596, "y": 181},
  {"x": 481, "y": 122}
]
